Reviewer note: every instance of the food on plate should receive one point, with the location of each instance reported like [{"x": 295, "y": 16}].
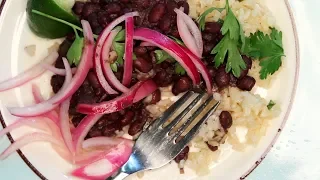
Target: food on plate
[{"x": 130, "y": 60}]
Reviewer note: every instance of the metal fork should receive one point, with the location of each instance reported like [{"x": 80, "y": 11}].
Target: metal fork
[{"x": 159, "y": 144}]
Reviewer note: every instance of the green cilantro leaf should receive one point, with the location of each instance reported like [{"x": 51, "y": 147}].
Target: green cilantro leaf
[
  {"x": 234, "y": 61},
  {"x": 270, "y": 65},
  {"x": 75, "y": 51},
  {"x": 162, "y": 56},
  {"x": 271, "y": 104},
  {"x": 231, "y": 24},
  {"x": 267, "y": 48},
  {"x": 202, "y": 18},
  {"x": 120, "y": 36},
  {"x": 114, "y": 67},
  {"x": 119, "y": 48},
  {"x": 232, "y": 31},
  {"x": 179, "y": 69}
]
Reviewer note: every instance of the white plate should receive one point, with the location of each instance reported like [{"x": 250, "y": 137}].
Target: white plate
[{"x": 15, "y": 36}]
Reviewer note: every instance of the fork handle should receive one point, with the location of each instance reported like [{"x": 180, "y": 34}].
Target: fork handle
[{"x": 120, "y": 176}]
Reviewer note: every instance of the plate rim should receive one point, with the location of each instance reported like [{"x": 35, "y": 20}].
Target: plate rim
[{"x": 276, "y": 136}]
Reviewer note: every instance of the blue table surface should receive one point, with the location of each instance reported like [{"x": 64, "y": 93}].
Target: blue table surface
[{"x": 296, "y": 155}]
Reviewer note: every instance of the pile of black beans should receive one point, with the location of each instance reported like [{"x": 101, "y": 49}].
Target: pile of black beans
[{"x": 158, "y": 15}]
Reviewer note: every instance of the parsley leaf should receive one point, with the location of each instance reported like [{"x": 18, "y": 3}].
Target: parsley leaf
[
  {"x": 179, "y": 69},
  {"x": 267, "y": 48},
  {"x": 202, "y": 18},
  {"x": 162, "y": 56},
  {"x": 75, "y": 51},
  {"x": 114, "y": 67},
  {"x": 232, "y": 31},
  {"x": 119, "y": 48},
  {"x": 271, "y": 104},
  {"x": 234, "y": 60},
  {"x": 120, "y": 36}
]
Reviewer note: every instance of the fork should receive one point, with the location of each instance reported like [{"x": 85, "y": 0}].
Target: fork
[{"x": 159, "y": 144}]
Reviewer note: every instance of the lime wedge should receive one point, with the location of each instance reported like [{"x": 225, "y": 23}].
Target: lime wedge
[{"x": 48, "y": 28}]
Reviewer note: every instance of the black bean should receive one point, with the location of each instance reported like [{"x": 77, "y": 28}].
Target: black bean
[
  {"x": 246, "y": 83},
  {"x": 142, "y": 3},
  {"x": 185, "y": 6},
  {"x": 222, "y": 79},
  {"x": 114, "y": 116},
  {"x": 175, "y": 32},
  {"x": 208, "y": 37},
  {"x": 233, "y": 80},
  {"x": 212, "y": 148},
  {"x": 63, "y": 50},
  {"x": 113, "y": 16},
  {"x": 163, "y": 79},
  {"x": 165, "y": 23},
  {"x": 182, "y": 85},
  {"x": 155, "y": 97},
  {"x": 78, "y": 7},
  {"x": 57, "y": 82},
  {"x": 157, "y": 12},
  {"x": 103, "y": 18},
  {"x": 207, "y": 48},
  {"x": 225, "y": 119},
  {"x": 97, "y": 30},
  {"x": 183, "y": 155},
  {"x": 93, "y": 20},
  {"x": 127, "y": 118},
  {"x": 140, "y": 50},
  {"x": 248, "y": 61},
  {"x": 142, "y": 65},
  {"x": 171, "y": 5},
  {"x": 89, "y": 8},
  {"x": 212, "y": 27},
  {"x": 110, "y": 130},
  {"x": 93, "y": 80},
  {"x": 94, "y": 133},
  {"x": 212, "y": 71},
  {"x": 124, "y": 1},
  {"x": 113, "y": 8},
  {"x": 243, "y": 73}
]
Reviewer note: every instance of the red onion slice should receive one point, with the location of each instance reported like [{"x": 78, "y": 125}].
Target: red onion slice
[
  {"x": 65, "y": 125},
  {"x": 61, "y": 72},
  {"x": 82, "y": 130},
  {"x": 31, "y": 138},
  {"x": 36, "y": 123},
  {"x": 186, "y": 36},
  {"x": 128, "y": 64},
  {"x": 146, "y": 44},
  {"x": 71, "y": 86},
  {"x": 100, "y": 43},
  {"x": 116, "y": 104},
  {"x": 45, "y": 106},
  {"x": 38, "y": 99},
  {"x": 172, "y": 48},
  {"x": 195, "y": 31},
  {"x": 106, "y": 66},
  {"x": 201, "y": 68},
  {"x": 107, "y": 165},
  {"x": 28, "y": 75},
  {"x": 98, "y": 142}
]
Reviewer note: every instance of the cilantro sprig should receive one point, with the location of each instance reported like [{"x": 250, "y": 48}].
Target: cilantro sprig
[
  {"x": 268, "y": 49},
  {"x": 228, "y": 46},
  {"x": 271, "y": 104}
]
